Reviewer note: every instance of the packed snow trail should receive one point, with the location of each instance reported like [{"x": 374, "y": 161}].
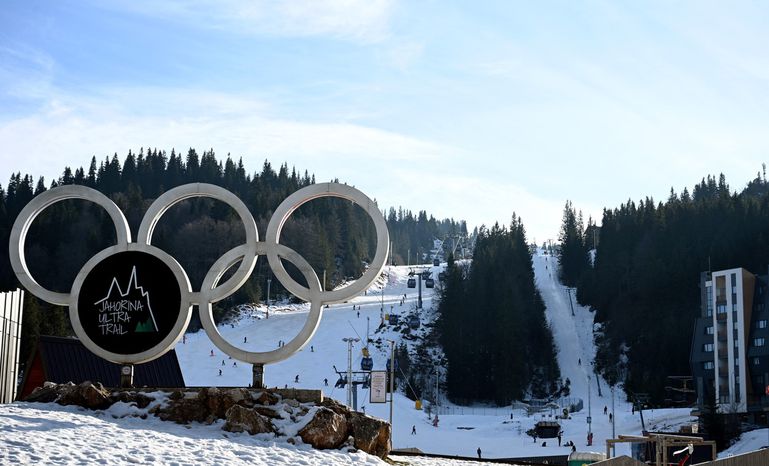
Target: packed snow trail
[
  {"x": 497, "y": 435},
  {"x": 573, "y": 334},
  {"x": 83, "y": 436}
]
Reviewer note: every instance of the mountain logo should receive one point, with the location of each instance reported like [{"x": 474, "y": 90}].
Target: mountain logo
[{"x": 126, "y": 310}]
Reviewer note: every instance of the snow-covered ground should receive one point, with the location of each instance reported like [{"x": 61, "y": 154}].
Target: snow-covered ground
[{"x": 32, "y": 433}]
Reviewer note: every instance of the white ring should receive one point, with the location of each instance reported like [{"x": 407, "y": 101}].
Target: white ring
[
  {"x": 187, "y": 191},
  {"x": 37, "y": 205},
  {"x": 292, "y": 346},
  {"x": 306, "y": 194},
  {"x": 185, "y": 307},
  {"x": 210, "y": 291}
]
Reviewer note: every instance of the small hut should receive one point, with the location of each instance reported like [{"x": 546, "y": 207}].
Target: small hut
[
  {"x": 62, "y": 360},
  {"x": 547, "y": 429}
]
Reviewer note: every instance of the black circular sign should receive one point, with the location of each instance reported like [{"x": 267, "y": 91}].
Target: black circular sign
[{"x": 129, "y": 302}]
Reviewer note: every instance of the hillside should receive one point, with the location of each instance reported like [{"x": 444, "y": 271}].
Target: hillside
[{"x": 28, "y": 426}]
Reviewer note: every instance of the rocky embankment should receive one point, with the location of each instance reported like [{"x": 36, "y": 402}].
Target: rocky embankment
[{"x": 324, "y": 424}]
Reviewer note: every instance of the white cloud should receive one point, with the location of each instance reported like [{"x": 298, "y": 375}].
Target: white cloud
[
  {"x": 71, "y": 129},
  {"x": 361, "y": 20}
]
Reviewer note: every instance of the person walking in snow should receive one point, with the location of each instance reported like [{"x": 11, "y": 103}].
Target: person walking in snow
[
  {"x": 222, "y": 362},
  {"x": 413, "y": 430},
  {"x": 559, "y": 438},
  {"x": 296, "y": 379},
  {"x": 604, "y": 410},
  {"x": 312, "y": 349},
  {"x": 325, "y": 382},
  {"x": 234, "y": 364},
  {"x": 479, "y": 452},
  {"x": 579, "y": 361},
  {"x": 358, "y": 314},
  {"x": 220, "y": 372},
  {"x": 212, "y": 353},
  {"x": 245, "y": 339},
  {"x": 610, "y": 418}
]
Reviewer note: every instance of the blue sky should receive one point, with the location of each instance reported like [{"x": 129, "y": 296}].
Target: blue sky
[{"x": 471, "y": 110}]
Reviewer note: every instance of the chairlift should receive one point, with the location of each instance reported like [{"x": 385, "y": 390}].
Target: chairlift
[
  {"x": 414, "y": 322},
  {"x": 412, "y": 283},
  {"x": 426, "y": 274},
  {"x": 393, "y": 319},
  {"x": 436, "y": 262},
  {"x": 442, "y": 276},
  {"x": 340, "y": 383},
  {"x": 430, "y": 283},
  {"x": 366, "y": 364}
]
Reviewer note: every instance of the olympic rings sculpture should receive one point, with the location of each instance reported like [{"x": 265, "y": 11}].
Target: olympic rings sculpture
[{"x": 135, "y": 297}]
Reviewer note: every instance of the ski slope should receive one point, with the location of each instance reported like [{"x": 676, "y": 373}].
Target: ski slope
[
  {"x": 497, "y": 436},
  {"x": 65, "y": 435}
]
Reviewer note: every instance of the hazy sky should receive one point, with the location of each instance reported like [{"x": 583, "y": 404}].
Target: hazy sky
[{"x": 472, "y": 110}]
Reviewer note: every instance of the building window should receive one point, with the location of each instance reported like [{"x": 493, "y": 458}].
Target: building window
[
  {"x": 761, "y": 324},
  {"x": 709, "y": 330},
  {"x": 707, "y": 347},
  {"x": 708, "y": 365},
  {"x": 721, "y": 309},
  {"x": 759, "y": 341}
]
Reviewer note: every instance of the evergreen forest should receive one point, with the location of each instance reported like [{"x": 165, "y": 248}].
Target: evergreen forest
[
  {"x": 644, "y": 284},
  {"x": 492, "y": 323},
  {"x": 335, "y": 237}
]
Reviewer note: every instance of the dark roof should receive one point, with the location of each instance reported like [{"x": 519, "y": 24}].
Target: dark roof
[{"x": 68, "y": 360}]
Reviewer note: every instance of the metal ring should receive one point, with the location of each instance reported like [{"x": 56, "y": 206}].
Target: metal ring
[
  {"x": 36, "y": 206},
  {"x": 210, "y": 291},
  {"x": 185, "y": 311},
  {"x": 306, "y": 194},
  {"x": 187, "y": 191},
  {"x": 291, "y": 347}
]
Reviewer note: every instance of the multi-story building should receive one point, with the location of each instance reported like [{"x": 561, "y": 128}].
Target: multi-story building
[{"x": 730, "y": 348}]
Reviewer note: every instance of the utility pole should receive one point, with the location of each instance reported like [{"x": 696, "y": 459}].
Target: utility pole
[
  {"x": 419, "y": 298},
  {"x": 613, "y": 421},
  {"x": 349, "y": 342},
  {"x": 269, "y": 282},
  {"x": 392, "y": 385},
  {"x": 589, "y": 411}
]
